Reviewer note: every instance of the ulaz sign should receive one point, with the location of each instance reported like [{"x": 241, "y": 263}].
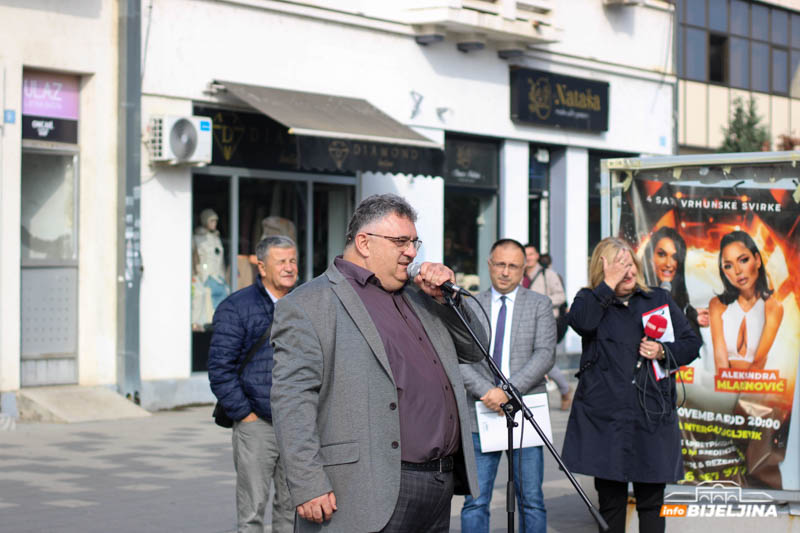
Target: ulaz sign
[{"x": 544, "y": 98}]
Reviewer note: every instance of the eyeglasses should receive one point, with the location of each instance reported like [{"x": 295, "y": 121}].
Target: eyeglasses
[
  {"x": 400, "y": 242},
  {"x": 502, "y": 266}
]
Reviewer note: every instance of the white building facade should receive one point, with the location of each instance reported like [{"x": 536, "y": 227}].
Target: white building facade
[
  {"x": 58, "y": 186},
  {"x": 532, "y": 182},
  {"x": 490, "y": 117}
]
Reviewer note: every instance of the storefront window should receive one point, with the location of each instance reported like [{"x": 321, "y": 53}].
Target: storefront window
[
  {"x": 268, "y": 207},
  {"x": 470, "y": 213},
  {"x": 595, "y": 194},
  {"x": 49, "y": 229},
  {"x": 48, "y": 210},
  {"x": 470, "y": 229},
  {"x": 333, "y": 206},
  {"x": 538, "y": 197},
  {"x": 211, "y": 244},
  {"x": 49, "y": 268},
  {"x": 232, "y": 214}
]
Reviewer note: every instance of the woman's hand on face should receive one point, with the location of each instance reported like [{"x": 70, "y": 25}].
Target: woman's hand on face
[
  {"x": 703, "y": 318},
  {"x": 616, "y": 270}
]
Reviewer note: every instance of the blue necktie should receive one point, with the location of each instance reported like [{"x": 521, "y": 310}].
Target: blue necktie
[{"x": 499, "y": 332}]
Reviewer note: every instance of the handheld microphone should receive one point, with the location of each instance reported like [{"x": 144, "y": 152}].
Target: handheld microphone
[
  {"x": 447, "y": 286},
  {"x": 654, "y": 329},
  {"x": 667, "y": 286}
]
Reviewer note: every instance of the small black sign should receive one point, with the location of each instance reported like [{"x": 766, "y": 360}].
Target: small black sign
[
  {"x": 471, "y": 162},
  {"x": 249, "y": 140},
  {"x": 60, "y": 130},
  {"x": 254, "y": 140},
  {"x": 346, "y": 155},
  {"x": 547, "y": 99}
]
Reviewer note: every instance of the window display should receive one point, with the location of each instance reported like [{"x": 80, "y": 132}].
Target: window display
[
  {"x": 268, "y": 207},
  {"x": 49, "y": 268},
  {"x": 49, "y": 208},
  {"x": 209, "y": 285},
  {"x": 470, "y": 215},
  {"x": 230, "y": 216}
]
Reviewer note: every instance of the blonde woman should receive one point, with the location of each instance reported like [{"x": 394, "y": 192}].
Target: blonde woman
[{"x": 623, "y": 426}]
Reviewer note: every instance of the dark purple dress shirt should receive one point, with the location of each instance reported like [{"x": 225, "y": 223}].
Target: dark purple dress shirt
[{"x": 429, "y": 426}]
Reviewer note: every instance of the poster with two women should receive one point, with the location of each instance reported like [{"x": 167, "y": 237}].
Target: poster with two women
[{"x": 724, "y": 239}]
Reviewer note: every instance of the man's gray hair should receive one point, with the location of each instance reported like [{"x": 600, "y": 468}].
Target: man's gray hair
[
  {"x": 273, "y": 241},
  {"x": 376, "y": 207}
]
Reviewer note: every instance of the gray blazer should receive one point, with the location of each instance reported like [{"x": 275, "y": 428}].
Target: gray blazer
[
  {"x": 532, "y": 349},
  {"x": 331, "y": 392}
]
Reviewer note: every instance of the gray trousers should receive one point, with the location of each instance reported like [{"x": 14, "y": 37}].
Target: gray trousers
[
  {"x": 560, "y": 379},
  {"x": 255, "y": 456}
]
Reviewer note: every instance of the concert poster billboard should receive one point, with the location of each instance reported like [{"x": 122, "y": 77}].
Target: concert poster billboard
[{"x": 726, "y": 242}]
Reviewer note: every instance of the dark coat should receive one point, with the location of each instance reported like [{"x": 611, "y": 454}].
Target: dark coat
[
  {"x": 609, "y": 434},
  {"x": 239, "y": 321}
]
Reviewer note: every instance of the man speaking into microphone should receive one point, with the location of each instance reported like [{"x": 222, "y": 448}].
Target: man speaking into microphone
[{"x": 368, "y": 402}]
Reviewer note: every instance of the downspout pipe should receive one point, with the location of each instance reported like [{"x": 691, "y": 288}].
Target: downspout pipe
[
  {"x": 129, "y": 263},
  {"x": 676, "y": 122}
]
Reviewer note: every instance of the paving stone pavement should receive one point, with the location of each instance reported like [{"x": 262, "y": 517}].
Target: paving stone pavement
[
  {"x": 169, "y": 472},
  {"x": 174, "y": 472}
]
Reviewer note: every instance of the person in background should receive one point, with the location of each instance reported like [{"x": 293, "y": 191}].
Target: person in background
[
  {"x": 745, "y": 318},
  {"x": 540, "y": 278},
  {"x": 621, "y": 429},
  {"x": 240, "y": 322},
  {"x": 523, "y": 346},
  {"x": 667, "y": 250}
]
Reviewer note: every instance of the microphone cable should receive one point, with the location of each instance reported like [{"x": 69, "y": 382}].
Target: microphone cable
[
  {"x": 647, "y": 388},
  {"x": 521, "y": 494},
  {"x": 665, "y": 402}
]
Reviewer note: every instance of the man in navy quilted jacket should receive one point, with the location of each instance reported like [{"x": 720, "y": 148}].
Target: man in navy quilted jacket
[{"x": 239, "y": 323}]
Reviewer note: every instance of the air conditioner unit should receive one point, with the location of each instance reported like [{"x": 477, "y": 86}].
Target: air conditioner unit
[{"x": 180, "y": 140}]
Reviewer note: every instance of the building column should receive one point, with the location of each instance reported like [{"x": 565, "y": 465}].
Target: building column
[
  {"x": 426, "y": 196},
  {"x": 569, "y": 217},
  {"x": 10, "y": 190},
  {"x": 514, "y": 181},
  {"x": 424, "y": 193}
]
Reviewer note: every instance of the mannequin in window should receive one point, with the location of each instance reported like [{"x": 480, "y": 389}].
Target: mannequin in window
[
  {"x": 209, "y": 287},
  {"x": 275, "y": 225}
]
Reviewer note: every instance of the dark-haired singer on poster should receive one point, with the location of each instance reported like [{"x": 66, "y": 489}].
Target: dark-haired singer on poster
[{"x": 668, "y": 253}]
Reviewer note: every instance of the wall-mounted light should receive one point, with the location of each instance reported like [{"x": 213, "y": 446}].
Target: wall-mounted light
[
  {"x": 428, "y": 34},
  {"x": 510, "y": 53},
  {"x": 471, "y": 42},
  {"x": 470, "y": 46},
  {"x": 417, "y": 98},
  {"x": 429, "y": 38}
]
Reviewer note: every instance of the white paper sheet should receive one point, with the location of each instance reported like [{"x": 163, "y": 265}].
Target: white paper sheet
[{"x": 493, "y": 431}]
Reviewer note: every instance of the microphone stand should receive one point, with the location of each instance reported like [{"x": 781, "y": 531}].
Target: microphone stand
[{"x": 510, "y": 409}]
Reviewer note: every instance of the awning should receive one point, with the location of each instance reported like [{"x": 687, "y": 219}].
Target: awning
[{"x": 343, "y": 134}]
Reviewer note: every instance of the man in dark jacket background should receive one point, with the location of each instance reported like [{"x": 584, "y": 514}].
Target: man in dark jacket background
[{"x": 240, "y": 322}]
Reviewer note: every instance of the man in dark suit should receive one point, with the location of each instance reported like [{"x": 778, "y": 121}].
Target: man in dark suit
[
  {"x": 370, "y": 410},
  {"x": 523, "y": 346}
]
